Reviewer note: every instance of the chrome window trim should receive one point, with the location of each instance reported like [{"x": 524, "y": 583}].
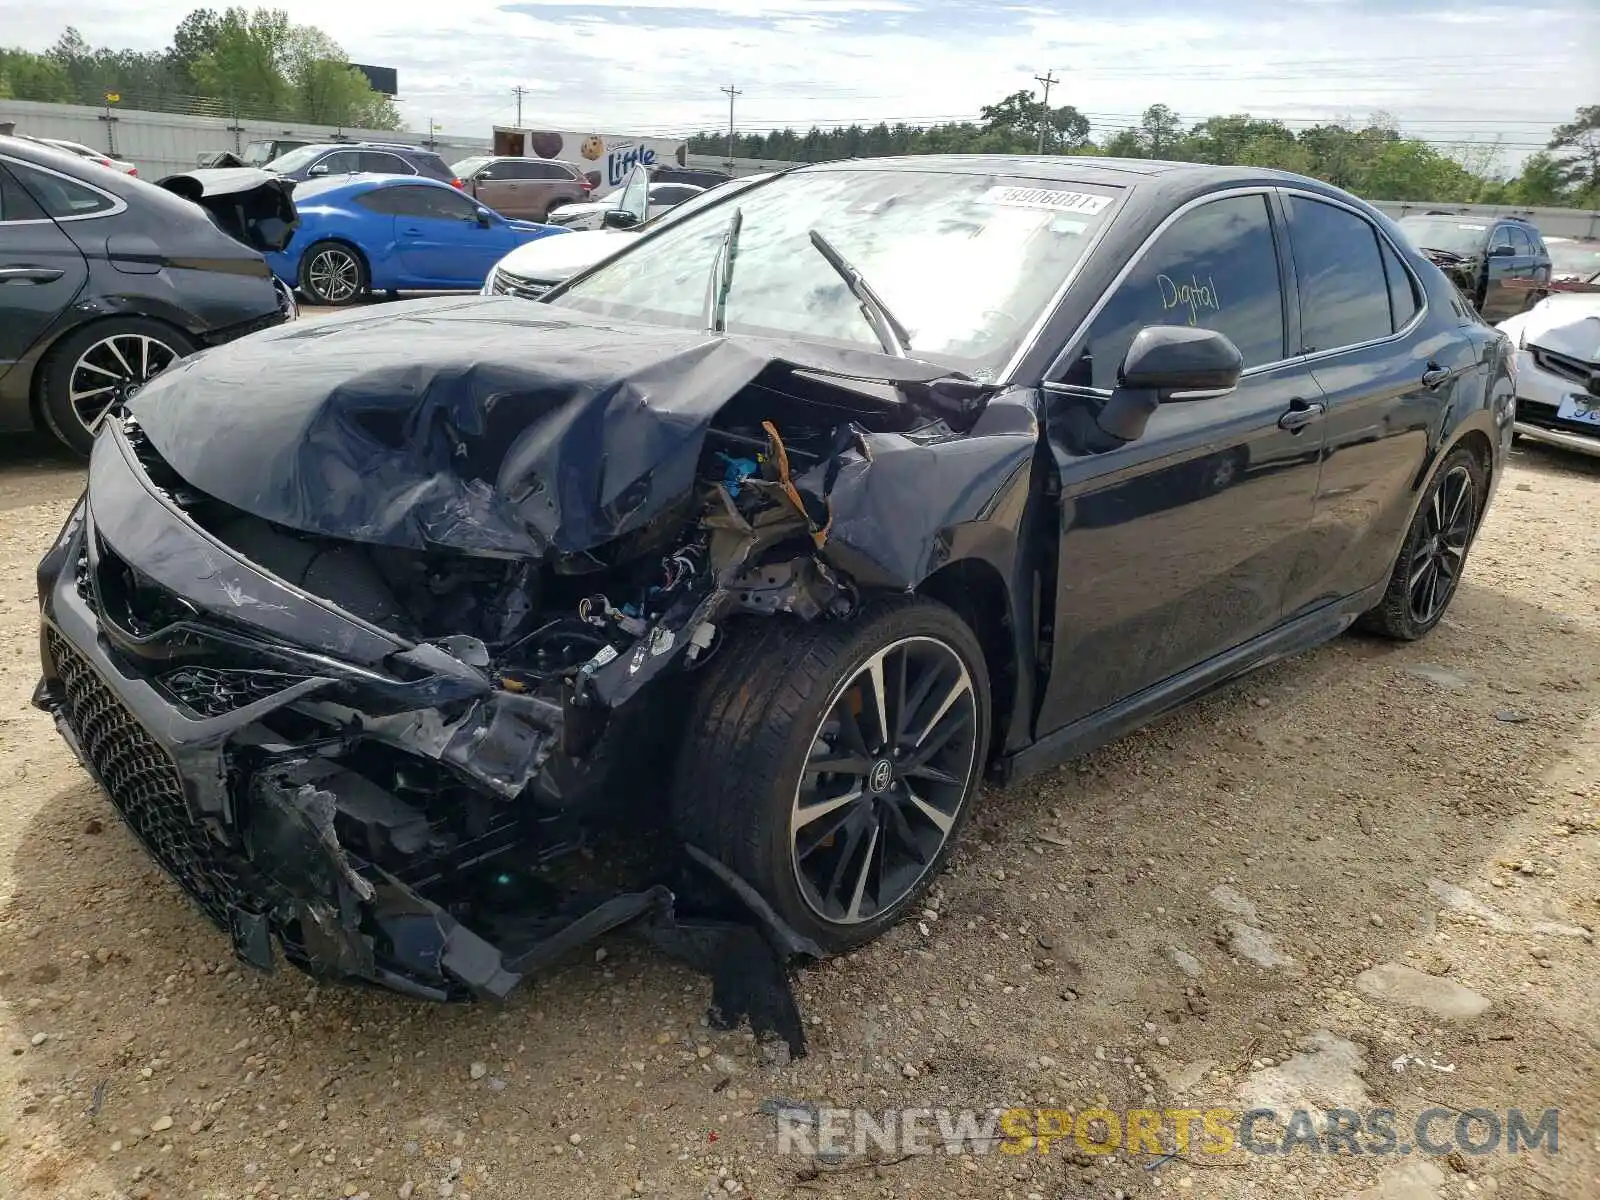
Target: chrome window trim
[
  {"x": 1264, "y": 190},
  {"x": 1416, "y": 284},
  {"x": 1256, "y": 189},
  {"x": 118, "y": 204}
]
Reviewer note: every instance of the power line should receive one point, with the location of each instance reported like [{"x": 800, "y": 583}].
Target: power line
[
  {"x": 1048, "y": 78},
  {"x": 733, "y": 93}
]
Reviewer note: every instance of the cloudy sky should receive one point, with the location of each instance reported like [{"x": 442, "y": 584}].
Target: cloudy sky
[{"x": 1449, "y": 72}]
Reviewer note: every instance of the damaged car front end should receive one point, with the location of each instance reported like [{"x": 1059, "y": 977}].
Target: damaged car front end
[{"x": 374, "y": 629}]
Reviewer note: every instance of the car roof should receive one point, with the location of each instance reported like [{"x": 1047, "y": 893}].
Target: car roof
[
  {"x": 401, "y": 146},
  {"x": 365, "y": 181},
  {"x": 1152, "y": 180}
]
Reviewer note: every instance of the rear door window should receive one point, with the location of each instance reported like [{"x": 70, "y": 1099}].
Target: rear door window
[
  {"x": 380, "y": 163},
  {"x": 538, "y": 170},
  {"x": 1215, "y": 267},
  {"x": 341, "y": 162},
  {"x": 1344, "y": 291}
]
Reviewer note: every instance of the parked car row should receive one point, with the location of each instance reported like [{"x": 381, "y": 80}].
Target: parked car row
[
  {"x": 533, "y": 269},
  {"x": 363, "y": 233}
]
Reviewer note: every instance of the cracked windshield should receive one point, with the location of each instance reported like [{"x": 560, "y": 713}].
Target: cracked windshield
[{"x": 965, "y": 262}]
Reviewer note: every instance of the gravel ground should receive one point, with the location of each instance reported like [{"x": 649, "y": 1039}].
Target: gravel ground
[{"x": 1248, "y": 901}]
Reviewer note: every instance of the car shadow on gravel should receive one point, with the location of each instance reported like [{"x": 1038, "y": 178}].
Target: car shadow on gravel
[
  {"x": 1329, "y": 789},
  {"x": 34, "y": 467}
]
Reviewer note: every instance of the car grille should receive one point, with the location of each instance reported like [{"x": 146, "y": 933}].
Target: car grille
[
  {"x": 213, "y": 691},
  {"x": 1562, "y": 365},
  {"x": 143, "y": 783},
  {"x": 504, "y": 283}
]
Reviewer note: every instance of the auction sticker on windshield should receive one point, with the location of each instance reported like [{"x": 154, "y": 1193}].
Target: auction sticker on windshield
[{"x": 1056, "y": 201}]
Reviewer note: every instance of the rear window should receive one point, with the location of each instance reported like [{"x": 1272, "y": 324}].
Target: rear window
[
  {"x": 1450, "y": 234},
  {"x": 60, "y": 197}
]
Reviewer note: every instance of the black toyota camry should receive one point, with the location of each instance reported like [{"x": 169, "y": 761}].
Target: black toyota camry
[{"x": 778, "y": 532}]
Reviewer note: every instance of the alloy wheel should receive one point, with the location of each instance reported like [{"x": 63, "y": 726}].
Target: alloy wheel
[
  {"x": 109, "y": 371},
  {"x": 1441, "y": 550},
  {"x": 333, "y": 275},
  {"x": 889, "y": 769}
]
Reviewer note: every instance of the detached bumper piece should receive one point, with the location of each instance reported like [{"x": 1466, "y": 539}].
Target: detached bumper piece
[{"x": 374, "y": 820}]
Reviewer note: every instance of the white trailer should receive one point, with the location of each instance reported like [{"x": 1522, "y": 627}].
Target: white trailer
[{"x": 604, "y": 158}]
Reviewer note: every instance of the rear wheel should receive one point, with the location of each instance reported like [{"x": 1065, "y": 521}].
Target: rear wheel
[
  {"x": 95, "y": 370},
  {"x": 1434, "y": 556},
  {"x": 833, "y": 765},
  {"x": 332, "y": 274}
]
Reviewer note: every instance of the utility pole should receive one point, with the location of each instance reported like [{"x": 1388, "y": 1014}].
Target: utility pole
[
  {"x": 519, "y": 92},
  {"x": 1048, "y": 78},
  {"x": 732, "y": 92}
]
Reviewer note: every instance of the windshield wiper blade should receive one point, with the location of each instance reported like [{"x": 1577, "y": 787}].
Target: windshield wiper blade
[
  {"x": 891, "y": 334},
  {"x": 721, "y": 281}
]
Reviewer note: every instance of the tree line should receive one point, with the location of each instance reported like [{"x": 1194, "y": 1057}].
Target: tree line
[
  {"x": 233, "y": 63},
  {"x": 1373, "y": 159}
]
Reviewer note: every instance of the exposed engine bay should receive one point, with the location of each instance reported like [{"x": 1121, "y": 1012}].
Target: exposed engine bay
[{"x": 407, "y": 710}]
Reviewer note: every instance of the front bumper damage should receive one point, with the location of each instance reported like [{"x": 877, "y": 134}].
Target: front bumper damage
[{"x": 328, "y": 791}]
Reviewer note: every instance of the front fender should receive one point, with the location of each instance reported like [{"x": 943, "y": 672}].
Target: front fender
[{"x": 904, "y": 505}]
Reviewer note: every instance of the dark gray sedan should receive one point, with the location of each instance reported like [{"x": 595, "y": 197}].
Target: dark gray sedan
[{"x": 106, "y": 280}]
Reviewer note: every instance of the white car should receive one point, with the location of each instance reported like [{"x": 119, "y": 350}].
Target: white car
[
  {"x": 623, "y": 208},
  {"x": 93, "y": 155},
  {"x": 533, "y": 269},
  {"x": 1558, "y": 371}
]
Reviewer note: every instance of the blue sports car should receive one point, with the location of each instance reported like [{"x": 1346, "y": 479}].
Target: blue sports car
[{"x": 362, "y": 233}]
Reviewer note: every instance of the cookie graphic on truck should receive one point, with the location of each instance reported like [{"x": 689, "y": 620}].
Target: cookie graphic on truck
[{"x": 604, "y": 159}]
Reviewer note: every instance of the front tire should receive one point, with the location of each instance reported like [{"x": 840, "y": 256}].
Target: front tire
[
  {"x": 332, "y": 274},
  {"x": 1434, "y": 556},
  {"x": 95, "y": 369},
  {"x": 832, "y": 765}
]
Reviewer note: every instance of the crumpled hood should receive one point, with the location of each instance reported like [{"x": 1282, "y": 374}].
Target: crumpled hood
[
  {"x": 486, "y": 425},
  {"x": 1566, "y": 324}
]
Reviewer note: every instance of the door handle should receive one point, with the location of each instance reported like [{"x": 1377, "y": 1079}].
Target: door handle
[
  {"x": 412, "y": 232},
  {"x": 1301, "y": 413},
  {"x": 1435, "y": 375},
  {"x": 29, "y": 275}
]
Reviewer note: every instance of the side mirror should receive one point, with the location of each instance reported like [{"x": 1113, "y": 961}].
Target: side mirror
[
  {"x": 485, "y": 218},
  {"x": 319, "y": 169},
  {"x": 1176, "y": 360},
  {"x": 618, "y": 218},
  {"x": 1165, "y": 364},
  {"x": 1501, "y": 251}
]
